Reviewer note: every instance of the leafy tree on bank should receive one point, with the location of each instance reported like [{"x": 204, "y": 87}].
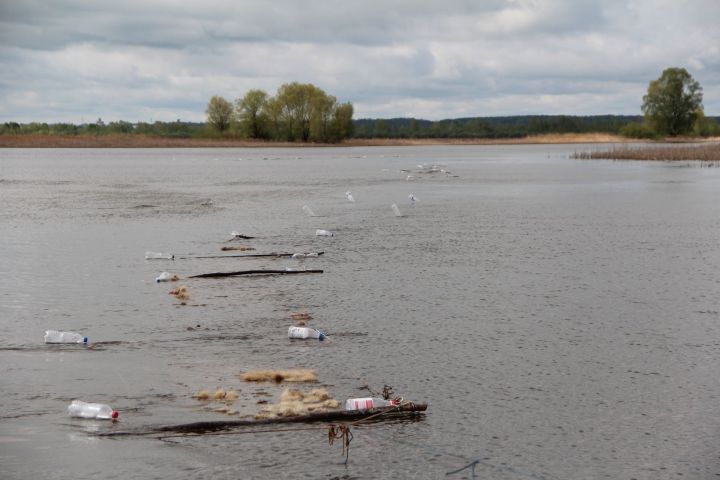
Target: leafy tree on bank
[
  {"x": 219, "y": 114},
  {"x": 673, "y": 102},
  {"x": 251, "y": 113}
]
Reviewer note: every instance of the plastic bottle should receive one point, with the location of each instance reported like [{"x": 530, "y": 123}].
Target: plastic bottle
[
  {"x": 163, "y": 277},
  {"x": 368, "y": 403},
  {"x": 53, "y": 336},
  {"x": 305, "y": 333},
  {"x": 98, "y": 411},
  {"x": 324, "y": 233},
  {"x": 159, "y": 256}
]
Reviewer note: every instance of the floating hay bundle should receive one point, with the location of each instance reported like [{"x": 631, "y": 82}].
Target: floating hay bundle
[
  {"x": 278, "y": 376},
  {"x": 181, "y": 293},
  {"x": 203, "y": 395},
  {"x": 295, "y": 402}
]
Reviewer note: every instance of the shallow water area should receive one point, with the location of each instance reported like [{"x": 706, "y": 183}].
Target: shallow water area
[{"x": 559, "y": 316}]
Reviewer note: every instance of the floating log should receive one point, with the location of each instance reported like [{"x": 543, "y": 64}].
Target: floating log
[
  {"x": 244, "y": 255},
  {"x": 253, "y": 272},
  {"x": 382, "y": 413}
]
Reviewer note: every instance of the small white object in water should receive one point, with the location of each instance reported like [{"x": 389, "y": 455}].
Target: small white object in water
[
  {"x": 159, "y": 256},
  {"x": 324, "y": 233},
  {"x": 408, "y": 178},
  {"x": 349, "y": 196},
  {"x": 396, "y": 210},
  {"x": 163, "y": 277},
  {"x": 413, "y": 199},
  {"x": 307, "y": 210}
]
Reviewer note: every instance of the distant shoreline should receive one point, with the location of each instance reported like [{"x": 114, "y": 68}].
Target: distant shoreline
[{"x": 141, "y": 141}]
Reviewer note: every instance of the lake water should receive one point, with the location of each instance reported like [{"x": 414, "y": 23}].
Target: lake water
[{"x": 561, "y": 318}]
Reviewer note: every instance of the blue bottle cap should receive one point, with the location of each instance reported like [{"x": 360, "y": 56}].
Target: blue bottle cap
[
  {"x": 321, "y": 337},
  {"x": 85, "y": 339}
]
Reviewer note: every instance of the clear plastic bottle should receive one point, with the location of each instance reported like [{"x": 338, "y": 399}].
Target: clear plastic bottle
[
  {"x": 305, "y": 333},
  {"x": 159, "y": 256},
  {"x": 54, "y": 336},
  {"x": 100, "y": 411},
  {"x": 324, "y": 233},
  {"x": 368, "y": 403}
]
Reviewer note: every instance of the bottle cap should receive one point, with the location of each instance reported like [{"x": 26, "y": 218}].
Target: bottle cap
[
  {"x": 85, "y": 339},
  {"x": 114, "y": 414},
  {"x": 321, "y": 337}
]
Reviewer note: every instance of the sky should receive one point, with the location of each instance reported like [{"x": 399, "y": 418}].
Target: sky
[{"x": 146, "y": 60}]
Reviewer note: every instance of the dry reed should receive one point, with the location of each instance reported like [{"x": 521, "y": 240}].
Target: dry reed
[
  {"x": 709, "y": 152},
  {"x": 278, "y": 376}
]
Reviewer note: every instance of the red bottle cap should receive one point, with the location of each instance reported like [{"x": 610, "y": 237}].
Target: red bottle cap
[{"x": 114, "y": 415}]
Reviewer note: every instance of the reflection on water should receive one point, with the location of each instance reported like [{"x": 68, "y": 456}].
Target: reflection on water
[{"x": 559, "y": 317}]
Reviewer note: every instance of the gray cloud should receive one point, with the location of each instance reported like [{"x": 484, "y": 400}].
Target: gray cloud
[{"x": 65, "y": 60}]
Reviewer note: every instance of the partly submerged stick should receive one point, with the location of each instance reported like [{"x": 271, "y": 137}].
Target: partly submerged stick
[
  {"x": 327, "y": 416},
  {"x": 243, "y": 255},
  {"x": 253, "y": 272}
]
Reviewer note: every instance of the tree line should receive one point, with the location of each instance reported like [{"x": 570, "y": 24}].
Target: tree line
[
  {"x": 297, "y": 113},
  {"x": 304, "y": 113}
]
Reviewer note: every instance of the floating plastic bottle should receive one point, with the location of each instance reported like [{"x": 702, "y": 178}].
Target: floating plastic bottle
[
  {"x": 324, "y": 233},
  {"x": 368, "y": 403},
  {"x": 163, "y": 277},
  {"x": 305, "y": 333},
  {"x": 54, "y": 336},
  {"x": 396, "y": 210},
  {"x": 99, "y": 411},
  {"x": 303, "y": 255},
  {"x": 159, "y": 256}
]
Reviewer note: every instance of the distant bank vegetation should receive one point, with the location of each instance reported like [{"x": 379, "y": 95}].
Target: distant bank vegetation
[
  {"x": 305, "y": 113},
  {"x": 511, "y": 127}
]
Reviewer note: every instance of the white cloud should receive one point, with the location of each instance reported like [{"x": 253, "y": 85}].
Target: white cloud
[{"x": 136, "y": 60}]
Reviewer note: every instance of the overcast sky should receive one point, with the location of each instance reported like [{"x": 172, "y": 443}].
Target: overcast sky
[{"x": 146, "y": 60}]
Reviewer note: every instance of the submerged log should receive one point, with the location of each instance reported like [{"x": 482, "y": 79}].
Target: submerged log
[
  {"x": 245, "y": 255},
  {"x": 377, "y": 414},
  {"x": 253, "y": 272}
]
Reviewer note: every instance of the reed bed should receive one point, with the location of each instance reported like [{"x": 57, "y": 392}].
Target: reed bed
[{"x": 706, "y": 153}]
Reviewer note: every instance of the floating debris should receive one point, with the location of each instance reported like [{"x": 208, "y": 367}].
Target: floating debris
[
  {"x": 295, "y": 402},
  {"x": 304, "y": 333},
  {"x": 396, "y": 210},
  {"x": 349, "y": 196},
  {"x": 166, "y": 277},
  {"x": 238, "y": 248},
  {"x": 253, "y": 272},
  {"x": 413, "y": 199},
  {"x": 301, "y": 316},
  {"x": 278, "y": 376},
  {"x": 324, "y": 233},
  {"x": 181, "y": 293},
  {"x": 159, "y": 256},
  {"x": 235, "y": 234}
]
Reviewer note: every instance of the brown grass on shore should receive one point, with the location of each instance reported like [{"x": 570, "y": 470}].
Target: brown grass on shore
[
  {"x": 143, "y": 141},
  {"x": 709, "y": 152}
]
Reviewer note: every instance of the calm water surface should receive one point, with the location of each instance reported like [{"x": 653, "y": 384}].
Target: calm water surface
[{"x": 560, "y": 317}]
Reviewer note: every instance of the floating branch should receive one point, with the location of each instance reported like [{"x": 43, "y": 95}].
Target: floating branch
[
  {"x": 382, "y": 413},
  {"x": 253, "y": 272},
  {"x": 243, "y": 255}
]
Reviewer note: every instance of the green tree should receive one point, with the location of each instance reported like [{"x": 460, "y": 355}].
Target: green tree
[
  {"x": 251, "y": 114},
  {"x": 672, "y": 102},
  {"x": 219, "y": 113}
]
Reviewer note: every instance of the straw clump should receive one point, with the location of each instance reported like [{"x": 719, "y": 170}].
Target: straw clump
[
  {"x": 295, "y": 402},
  {"x": 279, "y": 376}
]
